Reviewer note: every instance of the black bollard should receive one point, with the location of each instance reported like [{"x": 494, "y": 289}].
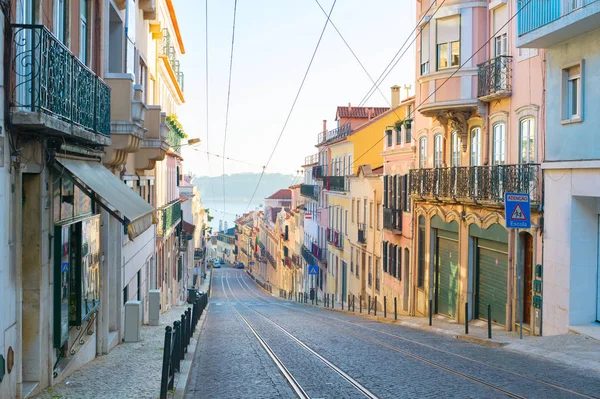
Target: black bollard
[
  {"x": 375, "y": 307},
  {"x": 369, "y": 305},
  {"x": 489, "y": 321},
  {"x": 395, "y": 309},
  {"x": 384, "y": 307},
  {"x": 342, "y": 302},
  {"x": 353, "y": 309},
  {"x": 430, "y": 312},
  {"x": 467, "y": 318},
  {"x": 360, "y": 303}
]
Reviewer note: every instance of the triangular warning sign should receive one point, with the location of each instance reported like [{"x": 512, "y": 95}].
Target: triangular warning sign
[{"x": 518, "y": 214}]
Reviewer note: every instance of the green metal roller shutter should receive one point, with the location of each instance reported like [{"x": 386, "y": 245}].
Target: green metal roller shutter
[
  {"x": 492, "y": 278},
  {"x": 447, "y": 273}
]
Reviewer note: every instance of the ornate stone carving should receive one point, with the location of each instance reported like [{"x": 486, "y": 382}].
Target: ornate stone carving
[{"x": 458, "y": 120}]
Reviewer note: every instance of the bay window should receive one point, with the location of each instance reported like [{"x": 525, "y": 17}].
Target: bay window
[{"x": 448, "y": 42}]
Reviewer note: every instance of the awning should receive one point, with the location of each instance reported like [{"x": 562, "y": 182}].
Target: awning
[
  {"x": 138, "y": 215},
  {"x": 188, "y": 228}
]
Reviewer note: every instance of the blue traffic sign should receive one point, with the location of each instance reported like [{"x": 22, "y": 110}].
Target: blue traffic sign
[
  {"x": 313, "y": 270},
  {"x": 517, "y": 210}
]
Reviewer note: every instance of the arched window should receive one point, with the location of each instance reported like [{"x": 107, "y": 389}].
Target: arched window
[
  {"x": 422, "y": 152},
  {"x": 438, "y": 158},
  {"x": 455, "y": 149},
  {"x": 475, "y": 146},
  {"x": 498, "y": 144},
  {"x": 527, "y": 141}
]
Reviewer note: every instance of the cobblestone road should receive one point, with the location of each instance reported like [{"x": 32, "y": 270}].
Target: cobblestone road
[{"x": 390, "y": 361}]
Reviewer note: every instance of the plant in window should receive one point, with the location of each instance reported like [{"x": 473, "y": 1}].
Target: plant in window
[{"x": 398, "y": 125}]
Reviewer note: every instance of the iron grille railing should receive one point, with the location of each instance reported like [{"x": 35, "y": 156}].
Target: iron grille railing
[
  {"x": 168, "y": 50},
  {"x": 362, "y": 233},
  {"x": 167, "y": 217},
  {"x": 494, "y": 78},
  {"x": 309, "y": 257},
  {"x": 336, "y": 183},
  {"x": 533, "y": 14},
  {"x": 310, "y": 190},
  {"x": 50, "y": 79},
  {"x": 476, "y": 183},
  {"x": 320, "y": 171},
  {"x": 335, "y": 134},
  {"x": 270, "y": 258}
]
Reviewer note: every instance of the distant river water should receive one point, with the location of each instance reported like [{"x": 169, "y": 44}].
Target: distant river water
[{"x": 232, "y": 208}]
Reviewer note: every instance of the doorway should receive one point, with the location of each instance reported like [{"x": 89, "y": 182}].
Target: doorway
[{"x": 527, "y": 248}]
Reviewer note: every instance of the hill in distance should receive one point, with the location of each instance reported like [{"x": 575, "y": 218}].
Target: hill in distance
[{"x": 240, "y": 186}]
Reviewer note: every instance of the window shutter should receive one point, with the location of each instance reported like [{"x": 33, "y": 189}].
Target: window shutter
[
  {"x": 448, "y": 29},
  {"x": 399, "y": 262},
  {"x": 425, "y": 44},
  {"x": 398, "y": 194},
  {"x": 385, "y": 191},
  {"x": 402, "y": 192},
  {"x": 393, "y": 193},
  {"x": 385, "y": 256}
]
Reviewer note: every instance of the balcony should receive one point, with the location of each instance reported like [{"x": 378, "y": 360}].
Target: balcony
[
  {"x": 480, "y": 184},
  {"x": 362, "y": 233},
  {"x": 314, "y": 255},
  {"x": 494, "y": 79},
  {"x": 392, "y": 219},
  {"x": 168, "y": 53},
  {"x": 168, "y": 217},
  {"x": 335, "y": 134},
  {"x": 320, "y": 171},
  {"x": 53, "y": 92},
  {"x": 329, "y": 235},
  {"x": 335, "y": 183},
  {"x": 338, "y": 239},
  {"x": 154, "y": 146},
  {"x": 128, "y": 112},
  {"x": 545, "y": 23},
  {"x": 311, "y": 159},
  {"x": 310, "y": 191},
  {"x": 270, "y": 258}
]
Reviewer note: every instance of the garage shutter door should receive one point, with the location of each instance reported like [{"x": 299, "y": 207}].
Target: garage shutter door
[
  {"x": 447, "y": 273},
  {"x": 492, "y": 275}
]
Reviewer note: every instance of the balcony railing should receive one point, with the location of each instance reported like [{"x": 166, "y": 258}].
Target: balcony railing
[
  {"x": 168, "y": 216},
  {"x": 335, "y": 134},
  {"x": 320, "y": 171},
  {"x": 311, "y": 159},
  {"x": 476, "y": 183},
  {"x": 168, "y": 50},
  {"x": 174, "y": 141},
  {"x": 494, "y": 78},
  {"x": 50, "y": 79},
  {"x": 335, "y": 183},
  {"x": 310, "y": 190},
  {"x": 534, "y": 14},
  {"x": 392, "y": 219},
  {"x": 270, "y": 258},
  {"x": 362, "y": 233},
  {"x": 338, "y": 239}
]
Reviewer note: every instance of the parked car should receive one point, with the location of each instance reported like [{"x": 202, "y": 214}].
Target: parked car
[
  {"x": 216, "y": 266},
  {"x": 240, "y": 265}
]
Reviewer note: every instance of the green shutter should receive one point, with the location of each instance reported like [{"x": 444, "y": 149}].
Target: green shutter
[
  {"x": 385, "y": 257},
  {"x": 492, "y": 279},
  {"x": 446, "y": 273}
]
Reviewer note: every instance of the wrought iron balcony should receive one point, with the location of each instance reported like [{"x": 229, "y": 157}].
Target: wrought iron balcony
[
  {"x": 338, "y": 239},
  {"x": 494, "y": 78},
  {"x": 50, "y": 80},
  {"x": 320, "y": 171},
  {"x": 392, "y": 219},
  {"x": 335, "y": 134},
  {"x": 310, "y": 190},
  {"x": 362, "y": 233},
  {"x": 336, "y": 183},
  {"x": 476, "y": 183},
  {"x": 270, "y": 258},
  {"x": 168, "y": 216},
  {"x": 168, "y": 50}
]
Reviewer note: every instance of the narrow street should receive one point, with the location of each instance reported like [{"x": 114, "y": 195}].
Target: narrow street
[{"x": 256, "y": 346}]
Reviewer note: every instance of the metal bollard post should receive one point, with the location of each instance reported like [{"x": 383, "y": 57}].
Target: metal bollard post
[
  {"x": 375, "y": 307},
  {"x": 395, "y": 308},
  {"x": 189, "y": 325},
  {"x": 166, "y": 361},
  {"x": 342, "y": 302},
  {"x": 467, "y": 318},
  {"x": 353, "y": 309},
  {"x": 369, "y": 305},
  {"x": 177, "y": 343},
  {"x": 183, "y": 337},
  {"x": 385, "y": 306},
  {"x": 317, "y": 298},
  {"x": 430, "y": 312},
  {"x": 489, "y": 321},
  {"x": 360, "y": 303}
]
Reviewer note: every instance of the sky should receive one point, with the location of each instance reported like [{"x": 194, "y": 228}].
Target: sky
[{"x": 274, "y": 42}]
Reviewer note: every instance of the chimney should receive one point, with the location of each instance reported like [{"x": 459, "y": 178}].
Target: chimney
[
  {"x": 324, "y": 126},
  {"x": 407, "y": 88},
  {"x": 395, "y": 96}
]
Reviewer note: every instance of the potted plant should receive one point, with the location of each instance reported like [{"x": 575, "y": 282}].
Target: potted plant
[{"x": 398, "y": 125}]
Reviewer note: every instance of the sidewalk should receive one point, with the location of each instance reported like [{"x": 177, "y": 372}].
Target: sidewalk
[
  {"x": 574, "y": 349},
  {"x": 129, "y": 370}
]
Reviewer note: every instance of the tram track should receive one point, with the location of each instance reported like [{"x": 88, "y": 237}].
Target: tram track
[
  {"x": 286, "y": 373},
  {"x": 420, "y": 344}
]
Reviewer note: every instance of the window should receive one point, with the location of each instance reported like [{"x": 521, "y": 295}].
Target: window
[
  {"x": 527, "y": 141},
  {"x": 358, "y": 210},
  {"x": 83, "y": 31},
  {"x": 437, "y": 151},
  {"x": 455, "y": 149},
  {"x": 353, "y": 201},
  {"x": 346, "y": 222},
  {"x": 572, "y": 94},
  {"x": 385, "y": 256},
  {"x": 371, "y": 214},
  {"x": 476, "y": 146},
  {"x": 425, "y": 50},
  {"x": 379, "y": 216},
  {"x": 60, "y": 20},
  {"x": 421, "y": 260},
  {"x": 370, "y": 271},
  {"x": 500, "y": 45},
  {"x": 448, "y": 42},
  {"x": 351, "y": 261},
  {"x": 422, "y": 152},
  {"x": 498, "y": 144},
  {"x": 388, "y": 135},
  {"x": 399, "y": 263},
  {"x": 500, "y": 30}
]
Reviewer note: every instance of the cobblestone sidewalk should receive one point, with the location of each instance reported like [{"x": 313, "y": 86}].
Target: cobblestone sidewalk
[{"x": 128, "y": 371}]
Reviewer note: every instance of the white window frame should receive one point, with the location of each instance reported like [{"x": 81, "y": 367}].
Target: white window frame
[
  {"x": 84, "y": 46},
  {"x": 423, "y": 152},
  {"x": 425, "y": 56},
  {"x": 501, "y": 45},
  {"x": 60, "y": 20},
  {"x": 438, "y": 151},
  {"x": 475, "y": 147},
  {"x": 499, "y": 144},
  {"x": 568, "y": 80},
  {"x": 529, "y": 123},
  {"x": 455, "y": 150}
]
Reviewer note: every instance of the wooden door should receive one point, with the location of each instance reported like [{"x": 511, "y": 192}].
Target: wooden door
[{"x": 527, "y": 277}]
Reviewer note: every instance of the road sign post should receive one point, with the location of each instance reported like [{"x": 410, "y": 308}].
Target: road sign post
[{"x": 517, "y": 208}]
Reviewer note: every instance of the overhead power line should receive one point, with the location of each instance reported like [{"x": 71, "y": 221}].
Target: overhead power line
[
  {"x": 451, "y": 75},
  {"x": 227, "y": 158},
  {"x": 207, "y": 102},
  {"x": 293, "y": 104}
]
